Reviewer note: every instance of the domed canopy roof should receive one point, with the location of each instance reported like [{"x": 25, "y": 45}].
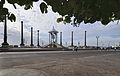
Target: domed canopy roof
[{"x": 53, "y": 30}]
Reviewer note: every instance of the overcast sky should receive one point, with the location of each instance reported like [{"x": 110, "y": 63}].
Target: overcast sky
[{"x": 109, "y": 35}]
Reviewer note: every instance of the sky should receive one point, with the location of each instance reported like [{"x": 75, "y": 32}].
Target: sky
[{"x": 108, "y": 35}]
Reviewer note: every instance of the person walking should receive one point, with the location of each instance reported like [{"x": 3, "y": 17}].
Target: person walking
[
  {"x": 115, "y": 48},
  {"x": 76, "y": 48}
]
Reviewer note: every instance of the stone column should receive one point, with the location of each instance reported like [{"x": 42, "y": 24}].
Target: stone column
[
  {"x": 49, "y": 39},
  {"x": 56, "y": 38},
  {"x": 5, "y": 44},
  {"x": 85, "y": 39},
  {"x": 38, "y": 39},
  {"x": 31, "y": 37},
  {"x": 72, "y": 39},
  {"x": 61, "y": 38},
  {"x": 22, "y": 41}
]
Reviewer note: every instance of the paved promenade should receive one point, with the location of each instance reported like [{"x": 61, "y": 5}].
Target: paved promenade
[{"x": 60, "y": 63}]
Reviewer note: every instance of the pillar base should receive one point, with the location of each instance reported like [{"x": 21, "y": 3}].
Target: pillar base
[
  {"x": 60, "y": 44},
  {"x": 5, "y": 45},
  {"x": 21, "y": 45},
  {"x": 39, "y": 46},
  {"x": 31, "y": 45}
]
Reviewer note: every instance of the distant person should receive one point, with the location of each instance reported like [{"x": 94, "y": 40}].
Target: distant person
[
  {"x": 115, "y": 48},
  {"x": 103, "y": 49},
  {"x": 107, "y": 49},
  {"x": 76, "y": 48}
]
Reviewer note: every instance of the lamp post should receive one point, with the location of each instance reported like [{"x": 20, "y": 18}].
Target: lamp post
[
  {"x": 42, "y": 42},
  {"x": 78, "y": 43},
  {"x": 97, "y": 37},
  {"x": 66, "y": 44}
]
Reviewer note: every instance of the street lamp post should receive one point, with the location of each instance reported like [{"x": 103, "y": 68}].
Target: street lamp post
[
  {"x": 66, "y": 44},
  {"x": 97, "y": 37},
  {"x": 78, "y": 43},
  {"x": 42, "y": 42}
]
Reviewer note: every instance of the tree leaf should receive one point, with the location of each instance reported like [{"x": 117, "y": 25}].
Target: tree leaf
[
  {"x": 59, "y": 20},
  {"x": 12, "y": 18},
  {"x": 43, "y": 7},
  {"x": 27, "y": 6}
]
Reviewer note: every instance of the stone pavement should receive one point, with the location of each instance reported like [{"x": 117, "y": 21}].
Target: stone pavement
[
  {"x": 80, "y": 63},
  {"x": 22, "y": 72}
]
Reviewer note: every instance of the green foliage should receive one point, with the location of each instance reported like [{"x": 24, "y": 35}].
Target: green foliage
[
  {"x": 67, "y": 19},
  {"x": 59, "y": 20},
  {"x": 87, "y": 11},
  {"x": 28, "y": 6},
  {"x": 4, "y": 11},
  {"x": 43, "y": 7},
  {"x": 12, "y": 17}
]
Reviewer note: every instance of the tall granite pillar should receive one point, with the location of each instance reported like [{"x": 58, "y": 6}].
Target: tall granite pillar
[
  {"x": 31, "y": 37},
  {"x": 49, "y": 39},
  {"x": 72, "y": 39},
  {"x": 38, "y": 39},
  {"x": 55, "y": 38},
  {"x": 61, "y": 38},
  {"x": 5, "y": 44},
  {"x": 85, "y": 39},
  {"x": 22, "y": 41}
]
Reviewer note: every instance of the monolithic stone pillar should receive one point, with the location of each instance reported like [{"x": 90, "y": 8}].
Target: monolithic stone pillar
[
  {"x": 61, "y": 38},
  {"x": 49, "y": 39},
  {"x": 85, "y": 39},
  {"x": 31, "y": 37},
  {"x": 38, "y": 39},
  {"x": 22, "y": 41},
  {"x": 55, "y": 38},
  {"x": 72, "y": 39},
  {"x": 5, "y": 44}
]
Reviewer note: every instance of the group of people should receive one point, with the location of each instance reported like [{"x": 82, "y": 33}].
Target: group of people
[{"x": 75, "y": 48}]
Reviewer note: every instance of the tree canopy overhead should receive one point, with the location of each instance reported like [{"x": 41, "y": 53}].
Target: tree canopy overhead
[{"x": 88, "y": 11}]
